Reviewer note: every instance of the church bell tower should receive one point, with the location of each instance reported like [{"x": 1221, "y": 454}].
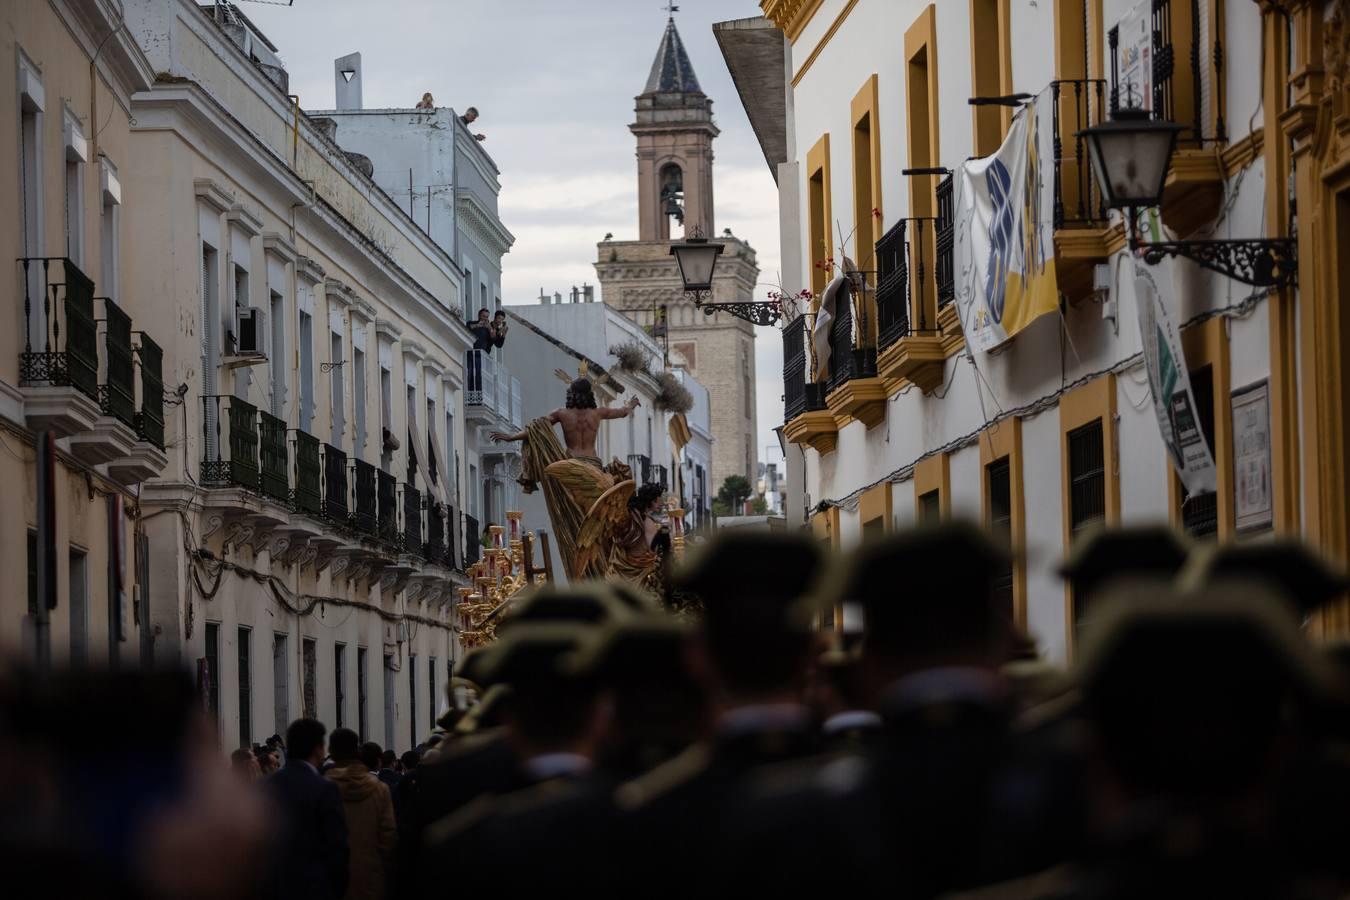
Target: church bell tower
[{"x": 674, "y": 131}]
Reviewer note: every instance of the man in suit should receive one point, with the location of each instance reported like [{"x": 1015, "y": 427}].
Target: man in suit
[
  {"x": 750, "y": 655},
  {"x": 312, "y": 855}
]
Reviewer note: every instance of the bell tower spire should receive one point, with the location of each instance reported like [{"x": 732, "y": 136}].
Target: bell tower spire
[{"x": 674, "y": 130}]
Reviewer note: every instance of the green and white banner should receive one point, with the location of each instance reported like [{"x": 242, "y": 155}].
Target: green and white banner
[{"x": 1168, "y": 379}]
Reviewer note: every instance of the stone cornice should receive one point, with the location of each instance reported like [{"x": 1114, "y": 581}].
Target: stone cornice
[
  {"x": 361, "y": 309},
  {"x": 244, "y": 220},
  {"x": 336, "y": 290},
  {"x": 278, "y": 245},
  {"x": 791, "y": 16},
  {"x": 482, "y": 225},
  {"x": 308, "y": 269},
  {"x": 212, "y": 194},
  {"x": 388, "y": 329}
]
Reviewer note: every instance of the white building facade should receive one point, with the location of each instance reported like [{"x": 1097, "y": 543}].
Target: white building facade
[
  {"x": 1056, "y": 431},
  {"x": 309, "y": 531}
]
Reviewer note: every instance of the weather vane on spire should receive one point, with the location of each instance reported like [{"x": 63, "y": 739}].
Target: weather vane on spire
[{"x": 671, "y": 9}]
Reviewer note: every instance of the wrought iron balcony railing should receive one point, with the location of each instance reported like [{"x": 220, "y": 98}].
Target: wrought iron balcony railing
[
  {"x": 472, "y": 549},
  {"x": 946, "y": 243},
  {"x": 335, "y": 507},
  {"x": 309, "y": 473},
  {"x": 60, "y": 334},
  {"x": 853, "y": 354},
  {"x": 434, "y": 549},
  {"x": 386, "y": 502},
  {"x": 658, "y": 474},
  {"x": 1076, "y": 104},
  {"x": 641, "y": 466},
  {"x": 117, "y": 395},
  {"x": 451, "y": 519},
  {"x": 229, "y": 442},
  {"x": 150, "y": 419},
  {"x": 272, "y": 478},
  {"x": 1167, "y": 99},
  {"x": 410, "y": 535},
  {"x": 365, "y": 509},
  {"x": 794, "y": 368}
]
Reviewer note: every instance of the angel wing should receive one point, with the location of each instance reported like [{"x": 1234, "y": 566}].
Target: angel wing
[{"x": 606, "y": 516}]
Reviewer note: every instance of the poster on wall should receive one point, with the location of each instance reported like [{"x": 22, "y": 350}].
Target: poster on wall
[
  {"x": 1134, "y": 57},
  {"x": 1169, "y": 380},
  {"x": 1004, "y": 242},
  {"x": 1252, "y": 492}
]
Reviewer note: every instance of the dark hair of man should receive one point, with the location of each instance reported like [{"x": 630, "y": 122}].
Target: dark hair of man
[
  {"x": 303, "y": 737},
  {"x": 410, "y": 759},
  {"x": 370, "y": 755},
  {"x": 388, "y": 758},
  {"x": 343, "y": 745},
  {"x": 645, "y": 496},
  {"x": 484, "y": 310},
  {"x": 471, "y": 109},
  {"x": 499, "y": 314},
  {"x": 241, "y": 757},
  {"x": 580, "y": 394}
]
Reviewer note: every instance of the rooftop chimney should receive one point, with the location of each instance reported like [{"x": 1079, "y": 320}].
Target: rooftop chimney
[
  {"x": 588, "y": 292},
  {"x": 347, "y": 78}
]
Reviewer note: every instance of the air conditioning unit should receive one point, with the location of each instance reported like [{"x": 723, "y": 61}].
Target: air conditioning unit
[{"x": 250, "y": 331}]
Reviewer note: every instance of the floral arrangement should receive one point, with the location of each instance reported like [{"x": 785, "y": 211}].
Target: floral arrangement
[
  {"x": 671, "y": 395},
  {"x": 631, "y": 357}
]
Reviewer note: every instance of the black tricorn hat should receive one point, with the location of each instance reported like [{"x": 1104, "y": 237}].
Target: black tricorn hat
[{"x": 1297, "y": 572}]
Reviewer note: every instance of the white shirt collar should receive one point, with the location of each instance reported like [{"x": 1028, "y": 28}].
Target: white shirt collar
[
  {"x": 554, "y": 765},
  {"x": 853, "y": 718},
  {"x": 763, "y": 717}
]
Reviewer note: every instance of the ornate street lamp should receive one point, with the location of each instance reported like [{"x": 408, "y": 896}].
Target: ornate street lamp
[
  {"x": 1131, "y": 155},
  {"x": 697, "y": 256}
]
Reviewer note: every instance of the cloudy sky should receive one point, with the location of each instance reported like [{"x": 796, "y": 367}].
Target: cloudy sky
[{"x": 554, "y": 81}]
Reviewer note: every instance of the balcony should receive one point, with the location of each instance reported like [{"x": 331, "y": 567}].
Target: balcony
[
  {"x": 272, "y": 477},
  {"x": 911, "y": 286},
  {"x": 435, "y": 550},
  {"x": 640, "y": 466},
  {"x": 472, "y": 549},
  {"x": 230, "y": 442},
  {"x": 335, "y": 507},
  {"x": 146, "y": 458},
  {"x": 659, "y": 475},
  {"x": 1195, "y": 181},
  {"x": 493, "y": 395},
  {"x": 410, "y": 535},
  {"x": 309, "y": 475},
  {"x": 365, "y": 513},
  {"x": 806, "y": 417},
  {"x": 58, "y": 368},
  {"x": 386, "y": 508},
  {"x": 853, "y": 389},
  {"x": 1083, "y": 236}
]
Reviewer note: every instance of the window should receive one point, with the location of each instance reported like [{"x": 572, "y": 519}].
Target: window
[
  {"x": 410, "y": 409},
  {"x": 1079, "y": 43},
  {"x": 482, "y": 294},
  {"x": 990, "y": 71},
  {"x": 390, "y": 702},
  {"x": 210, "y": 316},
  {"x": 240, "y": 286},
  {"x": 930, "y": 507},
  {"x": 213, "y": 668},
  {"x": 921, "y": 125},
  {"x": 110, "y": 231},
  {"x": 309, "y": 659},
  {"x": 1200, "y": 513},
  {"x": 281, "y": 700},
  {"x": 386, "y": 414},
  {"x": 306, "y": 339},
  {"x": 866, "y": 183},
  {"x": 998, "y": 478},
  {"x": 473, "y": 496},
  {"x": 30, "y": 159},
  {"x": 412, "y": 698},
  {"x": 359, "y": 398},
  {"x": 245, "y": 688},
  {"x": 32, "y": 574},
  {"x": 431, "y": 693},
  {"x": 76, "y": 154},
  {"x": 79, "y": 607},
  {"x": 818, "y": 212},
  {"x": 362, "y": 715},
  {"x": 449, "y": 450},
  {"x": 1087, "y": 476},
  {"x": 339, "y": 394},
  {"x": 277, "y": 354},
  {"x": 339, "y": 683}
]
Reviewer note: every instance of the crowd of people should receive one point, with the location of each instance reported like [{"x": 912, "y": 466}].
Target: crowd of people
[{"x": 1198, "y": 746}]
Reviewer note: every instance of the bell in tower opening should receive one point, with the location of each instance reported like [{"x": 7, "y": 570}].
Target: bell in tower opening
[{"x": 672, "y": 192}]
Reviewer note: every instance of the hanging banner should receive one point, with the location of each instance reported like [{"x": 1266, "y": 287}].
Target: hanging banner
[
  {"x": 1005, "y": 231},
  {"x": 1134, "y": 57},
  {"x": 1168, "y": 379}
]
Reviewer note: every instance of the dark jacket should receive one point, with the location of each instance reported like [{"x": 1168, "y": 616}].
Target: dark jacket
[
  {"x": 484, "y": 338},
  {"x": 311, "y": 857}
]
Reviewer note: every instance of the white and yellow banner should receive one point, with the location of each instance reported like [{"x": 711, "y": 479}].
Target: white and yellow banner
[{"x": 1005, "y": 232}]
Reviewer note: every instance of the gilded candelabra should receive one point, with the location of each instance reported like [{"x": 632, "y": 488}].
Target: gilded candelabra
[{"x": 496, "y": 579}]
